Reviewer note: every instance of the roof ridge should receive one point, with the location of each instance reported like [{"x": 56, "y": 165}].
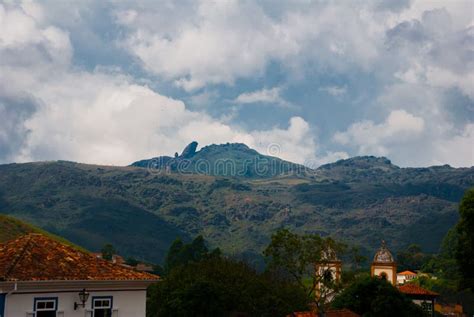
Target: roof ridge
[{"x": 19, "y": 256}]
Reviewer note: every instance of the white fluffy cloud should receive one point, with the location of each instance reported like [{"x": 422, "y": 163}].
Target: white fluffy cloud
[
  {"x": 403, "y": 134},
  {"x": 224, "y": 41},
  {"x": 418, "y": 54},
  {"x": 378, "y": 139},
  {"x": 267, "y": 96},
  {"x": 103, "y": 116}
]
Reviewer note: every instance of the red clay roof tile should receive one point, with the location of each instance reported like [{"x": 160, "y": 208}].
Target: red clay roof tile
[
  {"x": 413, "y": 289},
  {"x": 35, "y": 257}
]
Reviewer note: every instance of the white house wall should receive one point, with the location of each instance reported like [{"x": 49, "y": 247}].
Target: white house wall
[{"x": 125, "y": 303}]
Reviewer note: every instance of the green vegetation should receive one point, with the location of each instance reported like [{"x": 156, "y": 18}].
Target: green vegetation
[
  {"x": 180, "y": 253},
  {"x": 12, "y": 228},
  {"x": 450, "y": 270},
  {"x": 294, "y": 256},
  {"x": 141, "y": 211},
  {"x": 412, "y": 258},
  {"x": 465, "y": 242},
  {"x": 373, "y": 297},
  {"x": 202, "y": 283},
  {"x": 108, "y": 252}
]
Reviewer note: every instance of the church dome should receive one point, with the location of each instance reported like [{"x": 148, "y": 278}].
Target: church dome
[{"x": 383, "y": 255}]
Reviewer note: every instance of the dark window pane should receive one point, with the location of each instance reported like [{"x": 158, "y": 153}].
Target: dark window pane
[
  {"x": 103, "y": 312},
  {"x": 45, "y": 314}
]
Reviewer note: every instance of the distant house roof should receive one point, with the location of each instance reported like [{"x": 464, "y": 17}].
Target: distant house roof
[
  {"x": 35, "y": 257},
  {"x": 413, "y": 289},
  {"x": 406, "y": 273},
  {"x": 332, "y": 313}
]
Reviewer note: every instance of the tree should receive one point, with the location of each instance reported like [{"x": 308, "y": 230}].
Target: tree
[
  {"x": 181, "y": 253},
  {"x": 412, "y": 258},
  {"x": 296, "y": 257},
  {"x": 465, "y": 244},
  {"x": 217, "y": 286},
  {"x": 444, "y": 264},
  {"x": 132, "y": 261},
  {"x": 357, "y": 258},
  {"x": 373, "y": 297},
  {"x": 108, "y": 251}
]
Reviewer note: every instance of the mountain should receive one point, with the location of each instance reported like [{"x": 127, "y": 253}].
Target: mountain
[
  {"x": 230, "y": 160},
  {"x": 140, "y": 211}
]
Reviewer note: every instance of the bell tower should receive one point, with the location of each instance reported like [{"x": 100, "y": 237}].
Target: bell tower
[
  {"x": 329, "y": 269},
  {"x": 384, "y": 266}
]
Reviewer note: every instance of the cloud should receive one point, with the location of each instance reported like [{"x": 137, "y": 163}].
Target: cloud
[
  {"x": 231, "y": 40},
  {"x": 266, "y": 96},
  {"x": 371, "y": 138},
  {"x": 431, "y": 51},
  {"x": 104, "y": 116},
  {"x": 14, "y": 111},
  {"x": 97, "y": 83},
  {"x": 460, "y": 144},
  {"x": 334, "y": 91},
  {"x": 402, "y": 134}
]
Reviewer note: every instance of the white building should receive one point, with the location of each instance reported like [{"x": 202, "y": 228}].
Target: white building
[
  {"x": 41, "y": 277},
  {"x": 405, "y": 276}
]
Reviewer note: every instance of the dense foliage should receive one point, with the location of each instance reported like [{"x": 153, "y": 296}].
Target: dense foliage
[
  {"x": 374, "y": 297},
  {"x": 203, "y": 283},
  {"x": 465, "y": 245},
  {"x": 181, "y": 253},
  {"x": 295, "y": 256},
  {"x": 412, "y": 258},
  {"x": 108, "y": 252}
]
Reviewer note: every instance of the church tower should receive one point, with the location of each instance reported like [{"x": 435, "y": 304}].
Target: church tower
[
  {"x": 330, "y": 269},
  {"x": 384, "y": 266}
]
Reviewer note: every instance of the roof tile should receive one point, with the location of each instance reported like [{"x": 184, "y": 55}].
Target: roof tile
[
  {"x": 413, "y": 289},
  {"x": 35, "y": 257}
]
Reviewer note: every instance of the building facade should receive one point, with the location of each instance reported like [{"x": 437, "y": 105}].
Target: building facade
[{"x": 41, "y": 277}]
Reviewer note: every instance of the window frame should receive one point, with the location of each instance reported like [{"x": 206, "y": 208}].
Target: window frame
[
  {"x": 45, "y": 299},
  {"x": 94, "y": 298}
]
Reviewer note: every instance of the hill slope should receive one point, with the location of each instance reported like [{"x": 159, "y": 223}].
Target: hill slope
[
  {"x": 361, "y": 200},
  {"x": 12, "y": 228}
]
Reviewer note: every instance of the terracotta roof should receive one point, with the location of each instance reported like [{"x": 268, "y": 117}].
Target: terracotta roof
[
  {"x": 406, "y": 273},
  {"x": 413, "y": 289},
  {"x": 332, "y": 313},
  {"x": 35, "y": 257}
]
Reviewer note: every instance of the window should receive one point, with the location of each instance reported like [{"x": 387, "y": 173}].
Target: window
[
  {"x": 102, "y": 306},
  {"x": 46, "y": 307}
]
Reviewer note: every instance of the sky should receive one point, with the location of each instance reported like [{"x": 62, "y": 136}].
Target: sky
[{"x": 112, "y": 82}]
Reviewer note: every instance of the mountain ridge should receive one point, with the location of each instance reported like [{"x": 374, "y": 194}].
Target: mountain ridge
[
  {"x": 141, "y": 211},
  {"x": 230, "y": 159}
]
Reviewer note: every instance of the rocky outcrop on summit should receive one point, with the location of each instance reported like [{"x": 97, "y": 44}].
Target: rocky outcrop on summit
[
  {"x": 230, "y": 159},
  {"x": 189, "y": 150}
]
